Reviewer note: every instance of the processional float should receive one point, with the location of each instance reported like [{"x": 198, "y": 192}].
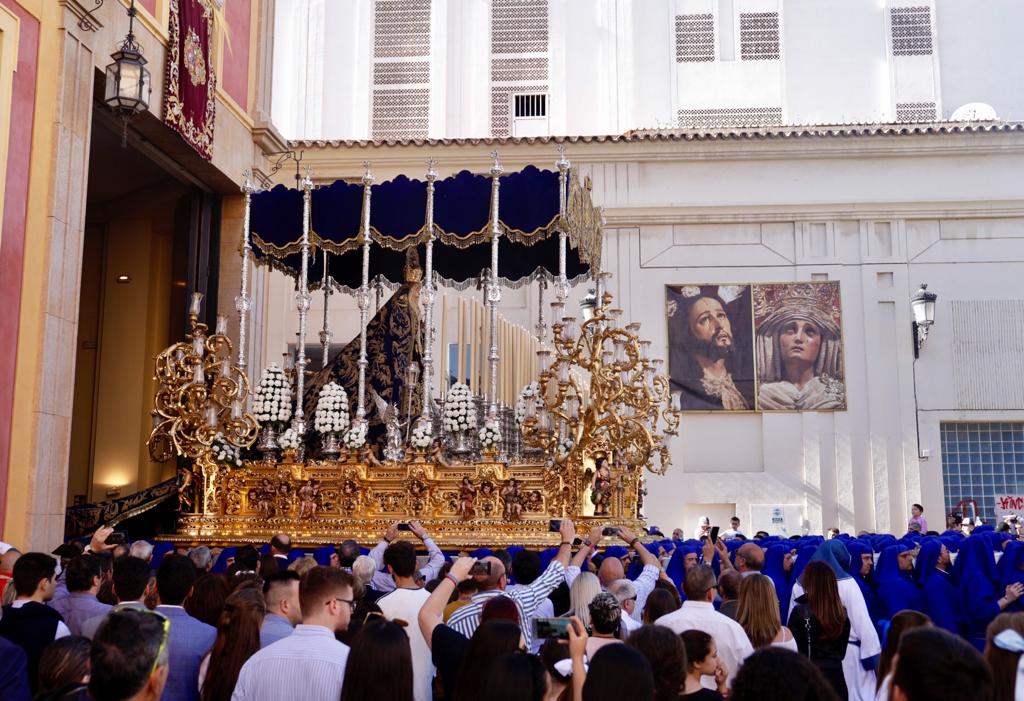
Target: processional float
[{"x": 296, "y": 454}]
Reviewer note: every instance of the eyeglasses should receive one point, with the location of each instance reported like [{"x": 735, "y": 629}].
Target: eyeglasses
[{"x": 351, "y": 603}]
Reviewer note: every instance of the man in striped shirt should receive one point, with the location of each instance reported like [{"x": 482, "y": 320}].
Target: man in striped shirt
[
  {"x": 612, "y": 569},
  {"x": 527, "y": 598}
]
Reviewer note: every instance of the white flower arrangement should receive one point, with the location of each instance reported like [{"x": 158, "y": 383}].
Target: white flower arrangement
[
  {"x": 422, "y": 436},
  {"x": 289, "y": 440},
  {"x": 273, "y": 400},
  {"x": 459, "y": 410},
  {"x": 490, "y": 435},
  {"x": 224, "y": 453},
  {"x": 531, "y": 392},
  {"x": 565, "y": 447},
  {"x": 355, "y": 436},
  {"x": 331, "y": 409}
]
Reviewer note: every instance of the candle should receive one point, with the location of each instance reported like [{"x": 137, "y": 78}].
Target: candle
[
  {"x": 445, "y": 361},
  {"x": 197, "y": 300},
  {"x": 222, "y": 325},
  {"x": 211, "y": 416},
  {"x": 474, "y": 356},
  {"x": 460, "y": 361},
  {"x": 225, "y": 368},
  {"x": 236, "y": 409},
  {"x": 198, "y": 376}
]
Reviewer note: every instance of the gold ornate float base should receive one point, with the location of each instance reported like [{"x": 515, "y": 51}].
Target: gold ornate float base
[{"x": 484, "y": 503}]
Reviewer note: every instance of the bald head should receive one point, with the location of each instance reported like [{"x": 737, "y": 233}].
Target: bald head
[
  {"x": 749, "y": 558},
  {"x": 610, "y": 570},
  {"x": 496, "y": 579},
  {"x": 7, "y": 561}
]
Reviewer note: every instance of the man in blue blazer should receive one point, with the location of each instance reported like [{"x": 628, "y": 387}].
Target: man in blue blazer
[
  {"x": 189, "y": 639},
  {"x": 13, "y": 672}
]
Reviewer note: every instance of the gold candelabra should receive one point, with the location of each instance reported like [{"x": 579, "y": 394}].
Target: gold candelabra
[
  {"x": 201, "y": 396},
  {"x": 601, "y": 394}
]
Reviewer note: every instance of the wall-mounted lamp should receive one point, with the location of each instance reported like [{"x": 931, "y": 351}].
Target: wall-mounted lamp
[
  {"x": 123, "y": 279},
  {"x": 922, "y": 305}
]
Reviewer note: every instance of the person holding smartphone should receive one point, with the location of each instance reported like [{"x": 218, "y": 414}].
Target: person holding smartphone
[{"x": 382, "y": 580}]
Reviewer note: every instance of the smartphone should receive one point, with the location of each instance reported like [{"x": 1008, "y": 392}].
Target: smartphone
[
  {"x": 551, "y": 628},
  {"x": 610, "y": 530},
  {"x": 480, "y": 568},
  {"x": 404, "y": 527},
  {"x": 714, "y": 535},
  {"x": 555, "y": 525},
  {"x": 117, "y": 538}
]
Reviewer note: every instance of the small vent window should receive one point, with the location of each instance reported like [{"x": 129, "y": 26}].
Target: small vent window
[{"x": 530, "y": 106}]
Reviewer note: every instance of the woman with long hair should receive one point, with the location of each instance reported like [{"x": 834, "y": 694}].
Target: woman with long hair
[
  {"x": 491, "y": 640},
  {"x": 63, "y": 669},
  {"x": 702, "y": 661},
  {"x": 758, "y": 613},
  {"x": 515, "y": 676},
  {"x": 1003, "y": 639},
  {"x": 820, "y": 624},
  {"x": 583, "y": 590},
  {"x": 900, "y": 623},
  {"x": 667, "y": 655},
  {"x": 379, "y": 666},
  {"x": 659, "y": 603},
  {"x": 617, "y": 671},
  {"x": 206, "y": 601},
  {"x": 238, "y": 639}
]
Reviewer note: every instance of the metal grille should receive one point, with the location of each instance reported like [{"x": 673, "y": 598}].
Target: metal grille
[
  {"x": 915, "y": 111},
  {"x": 501, "y": 106},
  {"x": 759, "y": 36},
  {"x": 530, "y": 105},
  {"x": 519, "y": 69},
  {"x": 519, "y": 26},
  {"x": 911, "y": 30},
  {"x": 730, "y": 117},
  {"x": 695, "y": 38},
  {"x": 400, "y": 113},
  {"x": 401, "y": 72}
]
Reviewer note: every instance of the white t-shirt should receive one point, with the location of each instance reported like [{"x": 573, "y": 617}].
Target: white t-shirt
[{"x": 406, "y": 604}]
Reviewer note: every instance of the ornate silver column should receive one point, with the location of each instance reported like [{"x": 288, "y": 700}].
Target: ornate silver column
[
  {"x": 242, "y": 301},
  {"x": 542, "y": 326},
  {"x": 493, "y": 291},
  {"x": 562, "y": 286},
  {"x": 302, "y": 302},
  {"x": 363, "y": 298},
  {"x": 427, "y": 296},
  {"x": 325, "y": 332}
]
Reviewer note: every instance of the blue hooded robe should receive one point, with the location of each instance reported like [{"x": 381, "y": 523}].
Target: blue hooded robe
[
  {"x": 866, "y": 583},
  {"x": 896, "y": 589},
  {"x": 979, "y": 591},
  {"x": 774, "y": 567},
  {"x": 1009, "y": 570},
  {"x": 940, "y": 595}
]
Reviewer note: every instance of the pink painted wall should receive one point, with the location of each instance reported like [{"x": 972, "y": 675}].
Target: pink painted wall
[
  {"x": 150, "y": 6},
  {"x": 236, "y": 56},
  {"x": 12, "y": 245}
]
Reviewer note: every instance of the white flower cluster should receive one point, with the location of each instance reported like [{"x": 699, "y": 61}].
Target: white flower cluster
[
  {"x": 289, "y": 440},
  {"x": 531, "y": 392},
  {"x": 490, "y": 435},
  {"x": 224, "y": 453},
  {"x": 459, "y": 410},
  {"x": 273, "y": 401},
  {"x": 355, "y": 436},
  {"x": 422, "y": 435},
  {"x": 565, "y": 447},
  {"x": 331, "y": 409}
]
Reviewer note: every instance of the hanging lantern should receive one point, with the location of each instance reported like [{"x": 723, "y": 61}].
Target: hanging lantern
[{"x": 128, "y": 83}]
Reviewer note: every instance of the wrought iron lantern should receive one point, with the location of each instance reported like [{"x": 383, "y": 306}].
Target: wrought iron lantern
[
  {"x": 128, "y": 83},
  {"x": 922, "y": 305}
]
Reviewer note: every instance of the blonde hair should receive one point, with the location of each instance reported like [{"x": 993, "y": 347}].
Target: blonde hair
[
  {"x": 303, "y": 565},
  {"x": 583, "y": 590},
  {"x": 758, "y": 612}
]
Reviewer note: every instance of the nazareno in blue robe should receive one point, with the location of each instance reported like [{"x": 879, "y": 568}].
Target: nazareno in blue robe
[
  {"x": 979, "y": 591},
  {"x": 1009, "y": 571},
  {"x": 897, "y": 590},
  {"x": 774, "y": 567},
  {"x": 940, "y": 595},
  {"x": 867, "y": 586}
]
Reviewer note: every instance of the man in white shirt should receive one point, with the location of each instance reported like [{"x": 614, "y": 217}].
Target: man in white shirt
[
  {"x": 382, "y": 581},
  {"x": 404, "y": 604},
  {"x": 309, "y": 662},
  {"x": 611, "y": 567},
  {"x": 733, "y": 530},
  {"x": 625, "y": 592},
  {"x": 698, "y": 613}
]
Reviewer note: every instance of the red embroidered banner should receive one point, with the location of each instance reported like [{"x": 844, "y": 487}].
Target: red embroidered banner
[{"x": 189, "y": 95}]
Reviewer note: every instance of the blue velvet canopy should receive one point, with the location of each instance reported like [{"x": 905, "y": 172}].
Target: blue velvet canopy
[{"x": 528, "y": 214}]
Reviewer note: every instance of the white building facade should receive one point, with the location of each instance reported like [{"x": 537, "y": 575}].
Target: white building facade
[{"x": 879, "y": 207}]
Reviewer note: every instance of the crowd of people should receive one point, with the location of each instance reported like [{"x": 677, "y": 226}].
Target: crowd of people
[{"x": 927, "y": 616}]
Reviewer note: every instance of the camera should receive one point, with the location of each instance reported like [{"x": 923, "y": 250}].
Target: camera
[{"x": 551, "y": 628}]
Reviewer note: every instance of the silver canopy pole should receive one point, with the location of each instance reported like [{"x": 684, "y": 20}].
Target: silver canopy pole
[
  {"x": 302, "y": 299},
  {"x": 427, "y": 295},
  {"x": 562, "y": 286},
  {"x": 242, "y": 301},
  {"x": 363, "y": 297},
  {"x": 493, "y": 291},
  {"x": 325, "y": 332}
]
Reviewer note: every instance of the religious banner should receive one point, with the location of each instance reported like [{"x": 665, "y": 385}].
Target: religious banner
[
  {"x": 189, "y": 95},
  {"x": 760, "y": 347}
]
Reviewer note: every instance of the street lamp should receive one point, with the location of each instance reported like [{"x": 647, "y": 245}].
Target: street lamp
[
  {"x": 922, "y": 305},
  {"x": 128, "y": 84}
]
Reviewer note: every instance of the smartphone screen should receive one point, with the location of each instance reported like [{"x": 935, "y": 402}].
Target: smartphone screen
[
  {"x": 555, "y": 525},
  {"x": 610, "y": 530},
  {"x": 480, "y": 568},
  {"x": 551, "y": 628},
  {"x": 714, "y": 535},
  {"x": 404, "y": 527}
]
